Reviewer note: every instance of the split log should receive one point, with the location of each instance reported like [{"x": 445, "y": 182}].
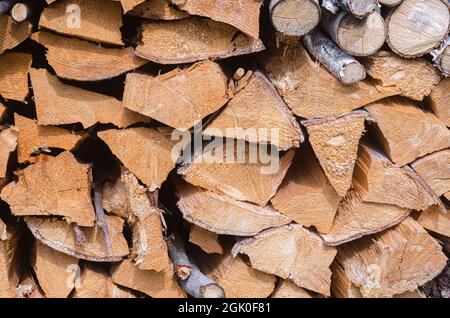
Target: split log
[
  {"x": 291, "y": 252},
  {"x": 359, "y": 8},
  {"x": 434, "y": 169},
  {"x": 415, "y": 27},
  {"x": 378, "y": 180},
  {"x": 193, "y": 39},
  {"x": 24, "y": 10},
  {"x": 335, "y": 142},
  {"x": 6, "y": 5},
  {"x": 8, "y": 143},
  {"x": 243, "y": 15},
  {"x": 59, "y": 235},
  {"x": 59, "y": 104},
  {"x": 14, "y": 68},
  {"x": 56, "y": 272},
  {"x": 232, "y": 177},
  {"x": 146, "y": 152},
  {"x": 84, "y": 61},
  {"x": 414, "y": 78},
  {"x": 13, "y": 33},
  {"x": 127, "y": 5},
  {"x": 115, "y": 199},
  {"x": 10, "y": 264},
  {"x": 223, "y": 215},
  {"x": 294, "y": 17},
  {"x": 342, "y": 65},
  {"x": 3, "y": 111},
  {"x": 288, "y": 289},
  {"x": 154, "y": 284},
  {"x": 358, "y": 37},
  {"x": 180, "y": 98},
  {"x": 244, "y": 113},
  {"x": 434, "y": 220},
  {"x": 42, "y": 189},
  {"x": 310, "y": 91},
  {"x": 33, "y": 139},
  {"x": 208, "y": 241},
  {"x": 305, "y": 195},
  {"x": 157, "y": 10},
  {"x": 441, "y": 57},
  {"x": 392, "y": 262},
  {"x": 421, "y": 133},
  {"x": 439, "y": 100}
]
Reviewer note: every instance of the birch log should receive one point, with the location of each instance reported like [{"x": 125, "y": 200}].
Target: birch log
[
  {"x": 5, "y": 5},
  {"x": 358, "y": 8},
  {"x": 441, "y": 57}
]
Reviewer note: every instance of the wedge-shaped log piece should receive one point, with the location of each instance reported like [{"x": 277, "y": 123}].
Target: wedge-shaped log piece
[
  {"x": 392, "y": 262},
  {"x": 8, "y": 143},
  {"x": 378, "y": 180},
  {"x": 258, "y": 108},
  {"x": 221, "y": 214},
  {"x": 146, "y": 152},
  {"x": 10, "y": 264},
  {"x": 3, "y": 111},
  {"x": 115, "y": 199},
  {"x": 193, "y": 39},
  {"x": 440, "y": 99},
  {"x": 291, "y": 252},
  {"x": 305, "y": 195},
  {"x": 208, "y": 241},
  {"x": 60, "y": 186},
  {"x": 60, "y": 236},
  {"x": 288, "y": 289},
  {"x": 154, "y": 284},
  {"x": 56, "y": 272},
  {"x": 98, "y": 21},
  {"x": 95, "y": 282},
  {"x": 12, "y": 33},
  {"x": 434, "y": 220},
  {"x": 84, "y": 61},
  {"x": 180, "y": 98},
  {"x": 59, "y": 104},
  {"x": 33, "y": 138},
  {"x": 310, "y": 91},
  {"x": 158, "y": 10},
  {"x": 335, "y": 142},
  {"x": 233, "y": 178},
  {"x": 414, "y": 78},
  {"x": 14, "y": 68},
  {"x": 356, "y": 218},
  {"x": 434, "y": 169},
  {"x": 243, "y": 15},
  {"x": 127, "y": 5},
  {"x": 421, "y": 133}
]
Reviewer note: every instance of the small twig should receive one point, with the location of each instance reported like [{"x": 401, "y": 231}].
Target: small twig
[
  {"x": 79, "y": 235},
  {"x": 190, "y": 278},
  {"x": 100, "y": 214}
]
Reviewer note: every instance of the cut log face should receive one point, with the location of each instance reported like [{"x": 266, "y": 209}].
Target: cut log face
[
  {"x": 233, "y": 179},
  {"x": 84, "y": 61},
  {"x": 223, "y": 215},
  {"x": 434, "y": 220},
  {"x": 421, "y": 133},
  {"x": 335, "y": 142},
  {"x": 208, "y": 241},
  {"x": 440, "y": 99},
  {"x": 98, "y": 21},
  {"x": 258, "y": 107},
  {"x": 8, "y": 143},
  {"x": 341, "y": 285},
  {"x": 13, "y": 33},
  {"x": 288, "y": 289},
  {"x": 10, "y": 266},
  {"x": 60, "y": 186},
  {"x": 127, "y": 5},
  {"x": 56, "y": 272},
  {"x": 180, "y": 98},
  {"x": 154, "y": 284},
  {"x": 305, "y": 195},
  {"x": 14, "y": 68},
  {"x": 243, "y": 15},
  {"x": 434, "y": 169},
  {"x": 33, "y": 137},
  {"x": 414, "y": 78},
  {"x": 310, "y": 91},
  {"x": 392, "y": 262},
  {"x": 291, "y": 252},
  {"x": 146, "y": 152},
  {"x": 60, "y": 236},
  {"x": 378, "y": 180},
  {"x": 157, "y": 10},
  {"x": 59, "y": 104},
  {"x": 193, "y": 39},
  {"x": 415, "y": 27},
  {"x": 356, "y": 218}
]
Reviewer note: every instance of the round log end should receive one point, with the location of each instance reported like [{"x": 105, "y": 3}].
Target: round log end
[
  {"x": 212, "y": 291},
  {"x": 353, "y": 73}
]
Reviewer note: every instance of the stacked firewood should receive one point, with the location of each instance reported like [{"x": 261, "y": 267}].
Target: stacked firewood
[{"x": 224, "y": 148}]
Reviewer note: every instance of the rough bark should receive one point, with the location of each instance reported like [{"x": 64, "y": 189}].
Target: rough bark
[{"x": 441, "y": 57}]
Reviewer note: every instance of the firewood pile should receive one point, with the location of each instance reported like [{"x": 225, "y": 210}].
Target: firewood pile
[{"x": 224, "y": 148}]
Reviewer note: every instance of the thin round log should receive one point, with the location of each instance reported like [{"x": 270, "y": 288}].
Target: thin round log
[
  {"x": 441, "y": 57},
  {"x": 330, "y": 6},
  {"x": 5, "y": 5},
  {"x": 358, "y": 8},
  {"x": 21, "y": 11}
]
